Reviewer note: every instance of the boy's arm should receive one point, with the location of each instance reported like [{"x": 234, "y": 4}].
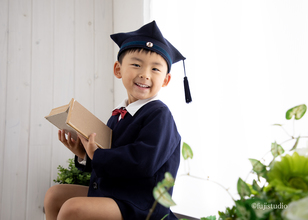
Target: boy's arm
[
  {"x": 155, "y": 144},
  {"x": 85, "y": 167}
]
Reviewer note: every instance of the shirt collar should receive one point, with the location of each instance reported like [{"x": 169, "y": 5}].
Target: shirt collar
[{"x": 135, "y": 106}]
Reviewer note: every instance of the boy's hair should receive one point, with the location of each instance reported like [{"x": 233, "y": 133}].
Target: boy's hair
[{"x": 132, "y": 50}]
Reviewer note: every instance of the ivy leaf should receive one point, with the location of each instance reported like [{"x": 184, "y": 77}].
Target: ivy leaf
[
  {"x": 169, "y": 180},
  {"x": 296, "y": 143},
  {"x": 187, "y": 151},
  {"x": 161, "y": 194},
  {"x": 258, "y": 167},
  {"x": 256, "y": 187},
  {"x": 242, "y": 188},
  {"x": 276, "y": 149},
  {"x": 297, "y": 111},
  {"x": 241, "y": 210},
  {"x": 229, "y": 214}
]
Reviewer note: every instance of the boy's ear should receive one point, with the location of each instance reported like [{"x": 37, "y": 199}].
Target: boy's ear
[
  {"x": 117, "y": 70},
  {"x": 167, "y": 80}
]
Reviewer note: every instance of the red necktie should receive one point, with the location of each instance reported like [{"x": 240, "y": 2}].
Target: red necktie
[{"x": 121, "y": 111}]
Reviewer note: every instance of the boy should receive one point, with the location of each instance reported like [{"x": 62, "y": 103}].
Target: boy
[{"x": 145, "y": 142}]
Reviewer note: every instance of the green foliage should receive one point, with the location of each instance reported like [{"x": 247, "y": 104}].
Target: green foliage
[
  {"x": 160, "y": 192},
  {"x": 296, "y": 143},
  {"x": 258, "y": 167},
  {"x": 72, "y": 175},
  {"x": 297, "y": 111},
  {"x": 276, "y": 149},
  {"x": 242, "y": 188},
  {"x": 165, "y": 217},
  {"x": 211, "y": 217},
  {"x": 286, "y": 182},
  {"x": 229, "y": 214},
  {"x": 187, "y": 151},
  {"x": 256, "y": 187}
]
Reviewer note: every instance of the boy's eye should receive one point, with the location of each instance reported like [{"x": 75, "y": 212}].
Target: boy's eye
[
  {"x": 136, "y": 65},
  {"x": 155, "y": 69}
]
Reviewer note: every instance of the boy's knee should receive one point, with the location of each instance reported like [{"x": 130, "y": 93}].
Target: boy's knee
[
  {"x": 48, "y": 196},
  {"x": 51, "y": 196},
  {"x": 70, "y": 210}
]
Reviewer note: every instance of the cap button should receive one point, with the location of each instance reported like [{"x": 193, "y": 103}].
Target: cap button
[{"x": 149, "y": 44}]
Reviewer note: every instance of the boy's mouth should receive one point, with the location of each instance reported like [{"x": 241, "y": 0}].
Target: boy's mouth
[{"x": 142, "y": 85}]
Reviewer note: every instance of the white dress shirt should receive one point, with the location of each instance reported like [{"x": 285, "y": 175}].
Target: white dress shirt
[{"x": 135, "y": 106}]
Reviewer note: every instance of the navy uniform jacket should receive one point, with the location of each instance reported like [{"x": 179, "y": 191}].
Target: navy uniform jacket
[{"x": 144, "y": 147}]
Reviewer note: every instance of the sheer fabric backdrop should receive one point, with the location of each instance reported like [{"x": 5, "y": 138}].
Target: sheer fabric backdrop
[{"x": 246, "y": 65}]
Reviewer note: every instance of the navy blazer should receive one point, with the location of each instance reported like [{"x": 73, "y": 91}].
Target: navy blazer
[{"x": 144, "y": 147}]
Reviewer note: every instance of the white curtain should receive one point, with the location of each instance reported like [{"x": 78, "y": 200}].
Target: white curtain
[{"x": 246, "y": 65}]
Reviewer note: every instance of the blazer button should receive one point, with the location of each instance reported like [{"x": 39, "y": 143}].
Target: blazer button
[{"x": 94, "y": 185}]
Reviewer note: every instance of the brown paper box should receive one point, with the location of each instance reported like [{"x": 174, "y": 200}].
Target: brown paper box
[{"x": 75, "y": 118}]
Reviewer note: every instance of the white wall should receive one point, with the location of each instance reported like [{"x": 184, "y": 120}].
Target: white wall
[
  {"x": 128, "y": 15},
  {"x": 51, "y": 51}
]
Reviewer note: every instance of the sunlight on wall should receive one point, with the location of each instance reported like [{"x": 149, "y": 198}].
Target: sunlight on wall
[{"x": 246, "y": 64}]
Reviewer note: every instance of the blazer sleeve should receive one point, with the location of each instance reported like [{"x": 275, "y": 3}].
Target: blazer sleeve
[
  {"x": 156, "y": 142},
  {"x": 85, "y": 168}
]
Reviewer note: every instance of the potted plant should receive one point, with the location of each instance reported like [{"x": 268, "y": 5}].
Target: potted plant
[{"x": 72, "y": 175}]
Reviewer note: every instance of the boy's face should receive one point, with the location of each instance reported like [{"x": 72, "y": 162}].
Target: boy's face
[{"x": 143, "y": 74}]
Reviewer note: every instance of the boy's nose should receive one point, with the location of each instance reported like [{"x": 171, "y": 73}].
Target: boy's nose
[{"x": 143, "y": 76}]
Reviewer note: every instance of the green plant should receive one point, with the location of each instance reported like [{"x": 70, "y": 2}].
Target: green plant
[
  {"x": 161, "y": 194},
  {"x": 286, "y": 182},
  {"x": 72, "y": 175}
]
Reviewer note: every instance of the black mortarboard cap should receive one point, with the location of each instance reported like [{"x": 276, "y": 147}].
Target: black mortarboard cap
[{"x": 149, "y": 37}]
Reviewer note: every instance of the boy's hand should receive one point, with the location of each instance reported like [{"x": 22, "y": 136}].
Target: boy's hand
[
  {"x": 75, "y": 146},
  {"x": 89, "y": 145}
]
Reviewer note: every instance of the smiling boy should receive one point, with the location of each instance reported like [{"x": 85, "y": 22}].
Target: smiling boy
[
  {"x": 145, "y": 140},
  {"x": 143, "y": 74}
]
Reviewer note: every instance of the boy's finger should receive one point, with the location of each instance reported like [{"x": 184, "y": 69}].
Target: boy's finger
[
  {"x": 92, "y": 138},
  {"x": 68, "y": 137},
  {"x": 82, "y": 139},
  {"x": 70, "y": 140},
  {"x": 62, "y": 138},
  {"x": 78, "y": 142}
]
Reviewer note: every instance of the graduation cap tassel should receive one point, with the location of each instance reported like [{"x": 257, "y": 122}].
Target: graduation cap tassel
[{"x": 186, "y": 87}]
